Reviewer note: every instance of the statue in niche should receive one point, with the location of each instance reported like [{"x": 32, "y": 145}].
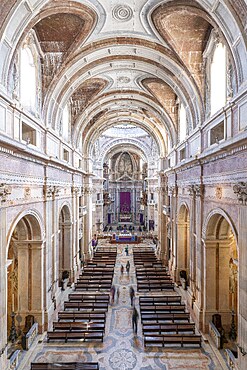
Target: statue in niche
[{"x": 233, "y": 278}]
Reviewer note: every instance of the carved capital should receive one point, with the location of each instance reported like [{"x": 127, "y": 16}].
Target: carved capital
[
  {"x": 5, "y": 190},
  {"x": 196, "y": 190},
  {"x": 75, "y": 190},
  {"x": 241, "y": 190},
  {"x": 172, "y": 190},
  {"x": 199, "y": 190},
  {"x": 51, "y": 191},
  {"x": 191, "y": 190}
]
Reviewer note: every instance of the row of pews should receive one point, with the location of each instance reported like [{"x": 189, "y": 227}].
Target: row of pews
[
  {"x": 65, "y": 366},
  {"x": 164, "y": 319},
  {"x": 150, "y": 273},
  {"x": 84, "y": 315}
]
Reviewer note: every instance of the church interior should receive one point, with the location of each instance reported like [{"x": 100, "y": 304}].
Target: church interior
[{"x": 123, "y": 218}]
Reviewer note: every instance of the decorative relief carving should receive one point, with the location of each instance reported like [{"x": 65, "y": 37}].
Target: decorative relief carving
[
  {"x": 27, "y": 193},
  {"x": 5, "y": 190},
  {"x": 122, "y": 13},
  {"x": 218, "y": 192},
  {"x": 124, "y": 79},
  {"x": 241, "y": 190}
]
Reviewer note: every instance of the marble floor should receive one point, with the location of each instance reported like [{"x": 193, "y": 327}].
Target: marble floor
[{"x": 121, "y": 349}]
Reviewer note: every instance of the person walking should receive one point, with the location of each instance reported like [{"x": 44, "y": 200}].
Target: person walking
[
  {"x": 128, "y": 267},
  {"x": 127, "y": 250},
  {"x": 117, "y": 294},
  {"x": 122, "y": 269},
  {"x": 135, "y": 317},
  {"x": 132, "y": 295},
  {"x": 112, "y": 293}
]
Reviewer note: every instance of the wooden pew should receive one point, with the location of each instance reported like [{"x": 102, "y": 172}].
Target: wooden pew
[
  {"x": 163, "y": 308},
  {"x": 78, "y": 326},
  {"x": 160, "y": 318},
  {"x": 86, "y": 286},
  {"x": 65, "y": 366},
  {"x": 82, "y": 316},
  {"x": 155, "y": 286},
  {"x": 150, "y": 329},
  {"x": 179, "y": 339},
  {"x": 100, "y": 306},
  {"x": 89, "y": 298},
  {"x": 168, "y": 299},
  {"x": 75, "y": 335}
]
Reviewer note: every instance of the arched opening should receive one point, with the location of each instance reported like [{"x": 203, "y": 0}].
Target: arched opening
[
  {"x": 25, "y": 274},
  {"x": 183, "y": 242},
  {"x": 221, "y": 274},
  {"x": 65, "y": 245}
]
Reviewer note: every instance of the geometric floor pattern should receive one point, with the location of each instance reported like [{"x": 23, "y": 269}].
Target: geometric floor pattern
[{"x": 121, "y": 349}]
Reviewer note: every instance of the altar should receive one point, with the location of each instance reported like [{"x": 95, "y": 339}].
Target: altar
[
  {"x": 124, "y": 238},
  {"x": 125, "y": 217}
]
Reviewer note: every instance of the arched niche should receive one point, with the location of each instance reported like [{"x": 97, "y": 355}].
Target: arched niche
[
  {"x": 65, "y": 250},
  {"x": 183, "y": 241},
  {"x": 220, "y": 270},
  {"x": 25, "y": 274}
]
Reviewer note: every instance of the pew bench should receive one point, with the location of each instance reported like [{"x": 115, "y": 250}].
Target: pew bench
[
  {"x": 172, "y": 339},
  {"x": 75, "y": 336},
  {"x": 100, "y": 306},
  {"x": 152, "y": 286},
  {"x": 82, "y": 316},
  {"x": 151, "y": 329},
  {"x": 163, "y": 308},
  {"x": 88, "y": 298},
  {"x": 65, "y": 366},
  {"x": 78, "y": 326},
  {"x": 160, "y": 318},
  {"x": 168, "y": 299}
]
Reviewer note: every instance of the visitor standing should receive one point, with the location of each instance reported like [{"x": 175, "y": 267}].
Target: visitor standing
[
  {"x": 127, "y": 250},
  {"x": 128, "y": 267},
  {"x": 135, "y": 317},
  {"x": 132, "y": 295},
  {"x": 122, "y": 269},
  {"x": 112, "y": 293}
]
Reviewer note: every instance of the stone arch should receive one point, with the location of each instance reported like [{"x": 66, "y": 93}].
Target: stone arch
[
  {"x": 25, "y": 269},
  {"x": 65, "y": 248},
  {"x": 183, "y": 240},
  {"x": 220, "y": 269}
]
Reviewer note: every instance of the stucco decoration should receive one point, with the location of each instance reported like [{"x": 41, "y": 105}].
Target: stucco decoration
[{"x": 122, "y": 13}]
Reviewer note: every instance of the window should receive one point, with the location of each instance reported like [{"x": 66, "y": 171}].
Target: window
[
  {"x": 65, "y": 155},
  {"x": 28, "y": 134},
  {"x": 218, "y": 79},
  {"x": 217, "y": 133},
  {"x": 28, "y": 83},
  {"x": 182, "y": 123},
  {"x": 182, "y": 154}
]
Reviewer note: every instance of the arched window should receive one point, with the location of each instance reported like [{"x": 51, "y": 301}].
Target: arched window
[
  {"x": 218, "y": 79},
  {"x": 28, "y": 80},
  {"x": 65, "y": 122},
  {"x": 182, "y": 123}
]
